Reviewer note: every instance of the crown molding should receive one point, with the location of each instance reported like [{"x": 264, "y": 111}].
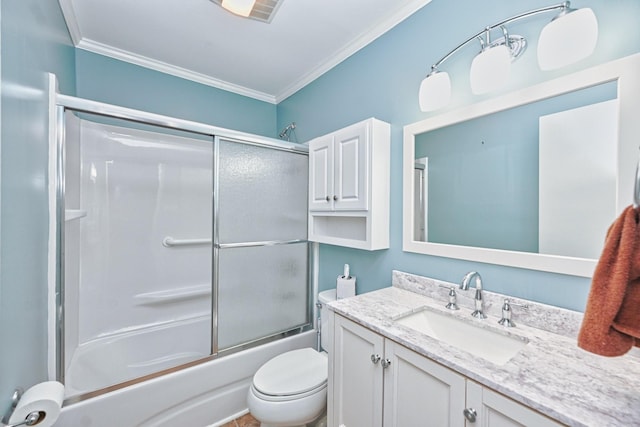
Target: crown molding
[
  {"x": 163, "y": 67},
  {"x": 350, "y": 49},
  {"x": 70, "y": 18}
]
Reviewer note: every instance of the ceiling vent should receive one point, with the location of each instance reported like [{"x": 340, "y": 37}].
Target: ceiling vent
[{"x": 263, "y": 10}]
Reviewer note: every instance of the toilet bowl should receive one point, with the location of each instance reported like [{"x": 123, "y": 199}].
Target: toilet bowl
[{"x": 290, "y": 390}]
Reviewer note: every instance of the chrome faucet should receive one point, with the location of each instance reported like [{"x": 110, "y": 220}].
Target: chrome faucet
[
  {"x": 506, "y": 313},
  {"x": 479, "y": 311}
]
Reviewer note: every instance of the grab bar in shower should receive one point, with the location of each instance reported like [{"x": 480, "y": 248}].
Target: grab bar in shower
[
  {"x": 255, "y": 244},
  {"x": 171, "y": 242},
  {"x": 173, "y": 295}
]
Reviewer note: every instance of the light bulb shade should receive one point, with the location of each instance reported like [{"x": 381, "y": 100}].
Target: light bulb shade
[
  {"x": 435, "y": 91},
  {"x": 567, "y": 39},
  {"x": 239, "y": 7},
  {"x": 490, "y": 69}
]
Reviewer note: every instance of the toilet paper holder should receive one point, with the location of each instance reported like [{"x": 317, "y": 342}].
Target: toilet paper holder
[{"x": 31, "y": 419}]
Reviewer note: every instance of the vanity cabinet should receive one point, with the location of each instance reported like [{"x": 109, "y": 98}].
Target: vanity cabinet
[
  {"x": 358, "y": 375},
  {"x": 349, "y": 186},
  {"x": 496, "y": 410},
  {"x": 376, "y": 382}
]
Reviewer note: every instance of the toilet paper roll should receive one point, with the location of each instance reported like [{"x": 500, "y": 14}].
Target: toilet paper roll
[
  {"x": 44, "y": 398},
  {"x": 345, "y": 287}
]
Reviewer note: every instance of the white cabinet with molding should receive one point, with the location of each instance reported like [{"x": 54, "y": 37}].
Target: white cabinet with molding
[
  {"x": 373, "y": 381},
  {"x": 349, "y": 186}
]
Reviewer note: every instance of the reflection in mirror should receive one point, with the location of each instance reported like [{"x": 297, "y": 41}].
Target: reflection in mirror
[
  {"x": 537, "y": 178},
  {"x": 531, "y": 179},
  {"x": 421, "y": 198}
]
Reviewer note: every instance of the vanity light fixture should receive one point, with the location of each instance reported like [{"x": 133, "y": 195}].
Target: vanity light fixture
[{"x": 568, "y": 38}]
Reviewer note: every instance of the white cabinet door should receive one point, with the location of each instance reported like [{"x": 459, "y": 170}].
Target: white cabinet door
[
  {"x": 321, "y": 164},
  {"x": 357, "y": 378},
  {"x": 351, "y": 179},
  {"x": 420, "y": 392},
  {"x": 496, "y": 410}
]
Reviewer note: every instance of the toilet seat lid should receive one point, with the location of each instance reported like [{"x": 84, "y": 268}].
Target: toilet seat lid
[{"x": 293, "y": 372}]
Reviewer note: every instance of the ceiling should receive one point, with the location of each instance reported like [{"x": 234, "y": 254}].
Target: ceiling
[{"x": 200, "y": 41}]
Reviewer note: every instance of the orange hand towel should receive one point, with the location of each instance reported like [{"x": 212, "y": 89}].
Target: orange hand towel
[{"x": 611, "y": 323}]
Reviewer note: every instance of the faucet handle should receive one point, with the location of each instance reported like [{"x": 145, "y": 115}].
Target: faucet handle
[
  {"x": 506, "y": 313},
  {"x": 453, "y": 298}
]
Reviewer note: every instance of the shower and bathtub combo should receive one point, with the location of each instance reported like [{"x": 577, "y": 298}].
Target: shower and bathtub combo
[{"x": 180, "y": 265}]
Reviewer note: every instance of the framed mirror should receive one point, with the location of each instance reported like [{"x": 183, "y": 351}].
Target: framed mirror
[{"x": 530, "y": 179}]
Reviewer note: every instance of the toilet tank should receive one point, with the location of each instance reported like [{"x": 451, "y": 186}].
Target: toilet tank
[{"x": 323, "y": 298}]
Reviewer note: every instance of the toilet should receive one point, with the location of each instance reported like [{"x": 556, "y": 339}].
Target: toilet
[{"x": 290, "y": 390}]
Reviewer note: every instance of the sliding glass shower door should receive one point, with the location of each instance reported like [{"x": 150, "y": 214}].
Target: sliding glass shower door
[
  {"x": 260, "y": 249},
  {"x": 175, "y": 247}
]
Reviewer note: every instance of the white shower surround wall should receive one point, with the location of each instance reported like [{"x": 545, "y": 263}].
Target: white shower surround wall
[{"x": 138, "y": 188}]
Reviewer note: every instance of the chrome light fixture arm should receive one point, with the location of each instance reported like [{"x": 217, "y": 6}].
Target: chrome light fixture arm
[{"x": 565, "y": 6}]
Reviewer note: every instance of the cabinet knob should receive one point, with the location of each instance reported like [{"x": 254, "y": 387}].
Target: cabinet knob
[
  {"x": 328, "y": 199},
  {"x": 375, "y": 358},
  {"x": 335, "y": 198},
  {"x": 386, "y": 363},
  {"x": 470, "y": 414}
]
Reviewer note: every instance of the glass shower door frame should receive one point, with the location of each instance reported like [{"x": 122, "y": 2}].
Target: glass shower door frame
[{"x": 59, "y": 105}]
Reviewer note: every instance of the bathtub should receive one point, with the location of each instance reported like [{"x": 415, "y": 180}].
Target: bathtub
[
  {"x": 126, "y": 355},
  {"x": 208, "y": 394}
]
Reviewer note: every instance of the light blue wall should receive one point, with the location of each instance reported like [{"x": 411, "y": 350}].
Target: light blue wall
[
  {"x": 34, "y": 41},
  {"x": 382, "y": 80},
  {"x": 104, "y": 79}
]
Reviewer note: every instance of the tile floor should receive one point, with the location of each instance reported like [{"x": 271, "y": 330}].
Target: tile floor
[
  {"x": 243, "y": 421},
  {"x": 249, "y": 421}
]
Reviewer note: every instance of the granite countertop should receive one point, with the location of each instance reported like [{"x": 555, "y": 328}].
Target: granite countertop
[{"x": 550, "y": 374}]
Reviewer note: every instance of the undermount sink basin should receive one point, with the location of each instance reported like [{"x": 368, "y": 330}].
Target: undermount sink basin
[{"x": 488, "y": 344}]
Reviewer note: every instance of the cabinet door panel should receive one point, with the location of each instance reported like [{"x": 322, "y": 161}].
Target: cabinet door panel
[
  {"x": 358, "y": 381},
  {"x": 496, "y": 410},
  {"x": 321, "y": 152},
  {"x": 419, "y": 392},
  {"x": 351, "y": 168}
]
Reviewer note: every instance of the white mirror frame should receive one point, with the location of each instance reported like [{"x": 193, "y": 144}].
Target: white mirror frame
[{"x": 625, "y": 71}]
